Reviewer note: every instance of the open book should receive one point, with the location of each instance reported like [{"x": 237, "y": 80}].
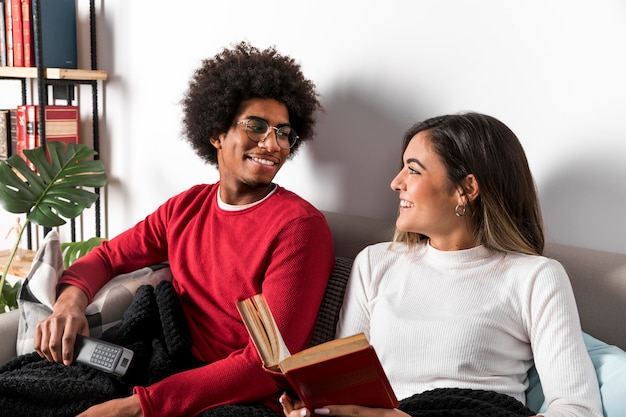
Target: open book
[{"x": 341, "y": 371}]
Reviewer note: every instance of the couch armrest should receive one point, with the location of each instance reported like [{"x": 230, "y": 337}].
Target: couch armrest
[
  {"x": 599, "y": 282},
  {"x": 8, "y": 330}
]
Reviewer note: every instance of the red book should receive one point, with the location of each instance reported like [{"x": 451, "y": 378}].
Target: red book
[
  {"x": 344, "y": 371},
  {"x": 30, "y": 141},
  {"x": 340, "y": 371},
  {"x": 27, "y": 34},
  {"x": 62, "y": 124},
  {"x": 21, "y": 142},
  {"x": 18, "y": 37}
]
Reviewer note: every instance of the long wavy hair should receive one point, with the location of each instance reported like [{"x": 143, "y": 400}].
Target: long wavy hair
[{"x": 506, "y": 216}]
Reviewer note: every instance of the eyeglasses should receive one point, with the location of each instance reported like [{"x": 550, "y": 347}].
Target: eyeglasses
[{"x": 258, "y": 130}]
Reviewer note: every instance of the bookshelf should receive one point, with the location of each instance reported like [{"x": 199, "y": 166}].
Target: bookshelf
[
  {"x": 40, "y": 79},
  {"x": 53, "y": 74}
]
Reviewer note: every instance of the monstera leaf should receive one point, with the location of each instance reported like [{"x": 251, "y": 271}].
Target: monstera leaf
[
  {"x": 74, "y": 250},
  {"x": 52, "y": 191}
]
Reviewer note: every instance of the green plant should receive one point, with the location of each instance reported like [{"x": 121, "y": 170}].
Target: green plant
[
  {"x": 48, "y": 194},
  {"x": 74, "y": 250}
]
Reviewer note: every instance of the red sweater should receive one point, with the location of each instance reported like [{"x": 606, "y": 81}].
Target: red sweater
[{"x": 281, "y": 247}]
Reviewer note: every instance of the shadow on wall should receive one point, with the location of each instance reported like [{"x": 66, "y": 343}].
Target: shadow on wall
[
  {"x": 584, "y": 203},
  {"x": 360, "y": 139}
]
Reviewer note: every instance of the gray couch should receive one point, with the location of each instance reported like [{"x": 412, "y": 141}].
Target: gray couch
[{"x": 598, "y": 279}]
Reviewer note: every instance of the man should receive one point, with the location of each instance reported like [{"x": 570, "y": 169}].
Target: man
[{"x": 246, "y": 111}]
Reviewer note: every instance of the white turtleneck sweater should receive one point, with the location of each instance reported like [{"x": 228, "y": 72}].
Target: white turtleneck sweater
[{"x": 472, "y": 318}]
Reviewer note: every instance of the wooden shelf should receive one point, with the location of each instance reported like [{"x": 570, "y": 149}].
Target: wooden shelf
[
  {"x": 53, "y": 73},
  {"x": 20, "y": 266}
]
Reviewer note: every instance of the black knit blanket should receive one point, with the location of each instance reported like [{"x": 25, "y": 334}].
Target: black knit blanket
[
  {"x": 441, "y": 402},
  {"x": 154, "y": 328}
]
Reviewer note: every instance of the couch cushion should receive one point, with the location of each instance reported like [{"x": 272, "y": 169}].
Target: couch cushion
[
  {"x": 610, "y": 364},
  {"x": 38, "y": 293},
  {"x": 328, "y": 315},
  {"x": 599, "y": 282}
]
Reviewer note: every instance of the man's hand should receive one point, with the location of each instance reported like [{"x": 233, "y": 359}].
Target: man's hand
[
  {"x": 55, "y": 336},
  {"x": 121, "y": 407}
]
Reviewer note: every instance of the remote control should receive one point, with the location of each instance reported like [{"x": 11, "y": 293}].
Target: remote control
[{"x": 102, "y": 355}]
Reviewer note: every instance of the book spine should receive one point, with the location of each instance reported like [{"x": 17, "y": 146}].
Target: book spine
[
  {"x": 18, "y": 39},
  {"x": 31, "y": 118},
  {"x": 8, "y": 19},
  {"x": 13, "y": 131},
  {"x": 3, "y": 36},
  {"x": 21, "y": 131},
  {"x": 281, "y": 382},
  {"x": 27, "y": 32},
  {"x": 5, "y": 134}
]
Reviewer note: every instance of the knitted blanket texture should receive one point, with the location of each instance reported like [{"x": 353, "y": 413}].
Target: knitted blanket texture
[
  {"x": 441, "y": 402},
  {"x": 154, "y": 328}
]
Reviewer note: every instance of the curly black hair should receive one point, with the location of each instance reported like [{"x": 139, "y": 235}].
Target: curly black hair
[{"x": 218, "y": 87}]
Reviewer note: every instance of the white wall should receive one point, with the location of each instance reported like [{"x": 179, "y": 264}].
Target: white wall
[{"x": 553, "y": 70}]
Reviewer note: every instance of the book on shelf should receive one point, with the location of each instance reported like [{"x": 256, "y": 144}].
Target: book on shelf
[
  {"x": 58, "y": 34},
  {"x": 3, "y": 36},
  {"x": 5, "y": 135},
  {"x": 340, "y": 371},
  {"x": 30, "y": 136},
  {"x": 8, "y": 30},
  {"x": 13, "y": 120},
  {"x": 21, "y": 131},
  {"x": 62, "y": 124},
  {"x": 27, "y": 34},
  {"x": 18, "y": 37}
]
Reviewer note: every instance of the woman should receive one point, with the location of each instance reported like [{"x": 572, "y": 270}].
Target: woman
[{"x": 463, "y": 299}]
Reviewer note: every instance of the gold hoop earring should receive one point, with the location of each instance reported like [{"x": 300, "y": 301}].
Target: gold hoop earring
[{"x": 460, "y": 210}]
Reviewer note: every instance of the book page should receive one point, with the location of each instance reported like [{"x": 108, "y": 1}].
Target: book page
[
  {"x": 278, "y": 346},
  {"x": 263, "y": 330},
  {"x": 331, "y": 349},
  {"x": 255, "y": 327}
]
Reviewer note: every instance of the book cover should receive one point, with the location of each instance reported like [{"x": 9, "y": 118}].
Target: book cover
[
  {"x": 8, "y": 30},
  {"x": 5, "y": 135},
  {"x": 352, "y": 375},
  {"x": 58, "y": 34},
  {"x": 27, "y": 34},
  {"x": 340, "y": 371},
  {"x": 3, "y": 36},
  {"x": 62, "y": 124},
  {"x": 18, "y": 42}
]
